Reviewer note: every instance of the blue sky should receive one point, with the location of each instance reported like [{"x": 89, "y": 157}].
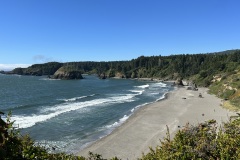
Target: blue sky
[{"x": 38, "y": 31}]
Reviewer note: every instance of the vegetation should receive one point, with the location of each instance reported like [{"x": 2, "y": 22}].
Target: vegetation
[
  {"x": 197, "y": 67},
  {"x": 38, "y": 69},
  {"x": 203, "y": 141},
  {"x": 227, "y": 87}
]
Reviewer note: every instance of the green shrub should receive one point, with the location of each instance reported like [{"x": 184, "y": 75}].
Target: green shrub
[
  {"x": 236, "y": 102},
  {"x": 227, "y": 93},
  {"x": 203, "y": 74},
  {"x": 201, "y": 142}
]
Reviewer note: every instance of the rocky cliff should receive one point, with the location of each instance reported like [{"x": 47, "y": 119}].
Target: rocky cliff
[
  {"x": 37, "y": 69},
  {"x": 66, "y": 74}
]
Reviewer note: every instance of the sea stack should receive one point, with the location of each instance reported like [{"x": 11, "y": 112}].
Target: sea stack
[{"x": 66, "y": 73}]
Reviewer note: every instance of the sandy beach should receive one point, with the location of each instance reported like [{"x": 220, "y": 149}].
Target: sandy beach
[{"x": 148, "y": 124}]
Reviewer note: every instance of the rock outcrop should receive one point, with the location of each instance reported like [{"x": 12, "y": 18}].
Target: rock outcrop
[
  {"x": 67, "y": 74},
  {"x": 120, "y": 75},
  {"x": 179, "y": 82},
  {"x": 102, "y": 76},
  {"x": 114, "y": 74}
]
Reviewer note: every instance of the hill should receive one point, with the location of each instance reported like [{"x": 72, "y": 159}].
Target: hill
[{"x": 184, "y": 65}]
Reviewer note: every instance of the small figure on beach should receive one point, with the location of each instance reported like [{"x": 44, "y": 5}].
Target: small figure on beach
[
  {"x": 200, "y": 95},
  {"x": 203, "y": 114}
]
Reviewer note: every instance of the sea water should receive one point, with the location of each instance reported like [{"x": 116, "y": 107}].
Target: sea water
[{"x": 68, "y": 115}]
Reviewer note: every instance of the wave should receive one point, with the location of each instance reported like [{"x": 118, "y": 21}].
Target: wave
[
  {"x": 119, "y": 122},
  {"x": 137, "y": 91},
  {"x": 141, "y": 105},
  {"x": 162, "y": 97},
  {"x": 143, "y": 86},
  {"x": 160, "y": 84},
  {"x": 75, "y": 98},
  {"x": 154, "y": 93},
  {"x": 48, "y": 113}
]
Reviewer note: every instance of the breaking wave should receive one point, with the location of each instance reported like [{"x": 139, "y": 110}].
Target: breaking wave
[
  {"x": 143, "y": 86},
  {"x": 139, "y": 92},
  {"x": 160, "y": 84},
  {"x": 162, "y": 97},
  {"x": 76, "y": 98},
  {"x": 119, "y": 122},
  {"x": 51, "y": 112}
]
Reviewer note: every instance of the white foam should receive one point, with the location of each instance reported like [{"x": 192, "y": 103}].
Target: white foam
[
  {"x": 51, "y": 112},
  {"x": 73, "y": 99},
  {"x": 123, "y": 119},
  {"x": 143, "y": 86},
  {"x": 154, "y": 93},
  {"x": 160, "y": 84},
  {"x": 29, "y": 121},
  {"x": 137, "y": 91},
  {"x": 115, "y": 124},
  {"x": 132, "y": 110},
  {"x": 120, "y": 121},
  {"x": 162, "y": 97},
  {"x": 122, "y": 99}
]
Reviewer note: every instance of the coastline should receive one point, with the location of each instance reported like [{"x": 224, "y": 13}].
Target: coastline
[{"x": 147, "y": 125}]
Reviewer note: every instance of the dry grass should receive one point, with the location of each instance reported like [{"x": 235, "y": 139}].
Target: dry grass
[{"x": 229, "y": 106}]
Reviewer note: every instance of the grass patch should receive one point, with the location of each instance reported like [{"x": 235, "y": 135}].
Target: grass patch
[{"x": 228, "y": 105}]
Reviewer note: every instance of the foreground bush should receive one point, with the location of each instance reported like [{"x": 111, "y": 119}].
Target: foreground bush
[{"x": 203, "y": 141}]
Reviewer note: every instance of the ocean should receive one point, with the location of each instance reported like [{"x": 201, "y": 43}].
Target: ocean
[{"x": 71, "y": 114}]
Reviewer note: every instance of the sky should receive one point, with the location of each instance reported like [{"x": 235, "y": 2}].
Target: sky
[{"x": 40, "y": 31}]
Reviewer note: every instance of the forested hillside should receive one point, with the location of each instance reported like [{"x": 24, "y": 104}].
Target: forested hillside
[{"x": 198, "y": 67}]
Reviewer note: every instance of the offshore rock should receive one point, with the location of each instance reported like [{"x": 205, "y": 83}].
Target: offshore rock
[{"x": 67, "y": 74}]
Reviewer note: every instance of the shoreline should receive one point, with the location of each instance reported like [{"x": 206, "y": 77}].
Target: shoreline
[{"x": 148, "y": 124}]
